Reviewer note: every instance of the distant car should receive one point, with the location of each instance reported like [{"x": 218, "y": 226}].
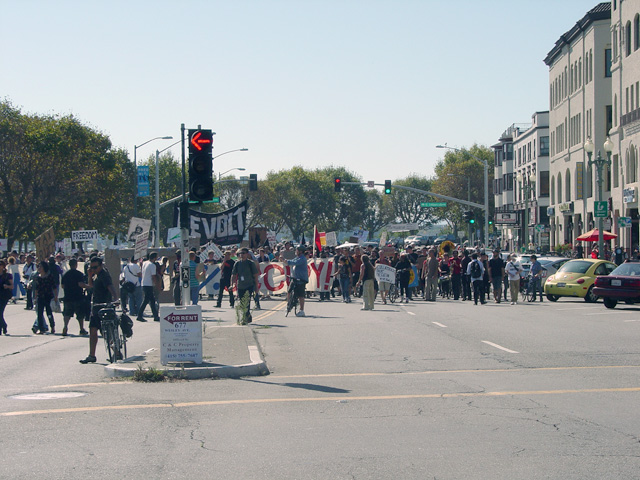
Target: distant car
[
  {"x": 416, "y": 240},
  {"x": 621, "y": 285},
  {"x": 576, "y": 278},
  {"x": 550, "y": 265}
]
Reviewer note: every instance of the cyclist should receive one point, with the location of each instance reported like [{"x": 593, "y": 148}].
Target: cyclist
[
  {"x": 103, "y": 292},
  {"x": 299, "y": 275}
]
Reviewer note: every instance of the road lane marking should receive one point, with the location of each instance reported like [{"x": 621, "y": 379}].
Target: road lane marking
[
  {"x": 411, "y": 313},
  {"x": 270, "y": 312},
  {"x": 439, "y": 324},
  {"x": 573, "y": 308},
  {"x": 606, "y": 313},
  {"x": 498, "y": 346},
  {"x": 342, "y": 399}
]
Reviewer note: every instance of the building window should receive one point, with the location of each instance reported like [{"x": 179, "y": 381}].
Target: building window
[
  {"x": 590, "y": 181},
  {"x": 615, "y": 110},
  {"x": 567, "y": 186},
  {"x": 636, "y": 32},
  {"x": 607, "y": 62},
  {"x": 608, "y": 118},
  {"x": 543, "y": 183},
  {"x": 559, "y": 188},
  {"x": 627, "y": 39},
  {"x": 544, "y": 146},
  {"x": 616, "y": 171},
  {"x": 614, "y": 42},
  {"x": 553, "y": 191}
]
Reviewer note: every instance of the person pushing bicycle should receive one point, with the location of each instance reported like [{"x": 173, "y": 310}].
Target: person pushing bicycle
[{"x": 103, "y": 292}]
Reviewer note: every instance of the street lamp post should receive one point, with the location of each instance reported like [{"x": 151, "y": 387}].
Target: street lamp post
[
  {"x": 486, "y": 189},
  {"x": 242, "y": 169},
  {"x": 135, "y": 165},
  {"x": 599, "y": 162},
  {"x": 528, "y": 184},
  {"x": 232, "y": 169},
  {"x": 468, "y": 197}
]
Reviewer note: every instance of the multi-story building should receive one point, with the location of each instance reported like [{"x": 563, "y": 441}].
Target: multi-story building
[
  {"x": 505, "y": 219},
  {"x": 580, "y": 107},
  {"x": 625, "y": 131},
  {"x": 531, "y": 182}
]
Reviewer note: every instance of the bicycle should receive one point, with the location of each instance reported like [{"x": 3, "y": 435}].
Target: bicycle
[
  {"x": 115, "y": 341},
  {"x": 292, "y": 298},
  {"x": 530, "y": 289}
]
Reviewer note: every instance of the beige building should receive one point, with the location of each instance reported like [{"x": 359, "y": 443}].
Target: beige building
[
  {"x": 625, "y": 131},
  {"x": 580, "y": 107}
]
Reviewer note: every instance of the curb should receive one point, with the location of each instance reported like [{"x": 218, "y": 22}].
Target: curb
[{"x": 257, "y": 368}]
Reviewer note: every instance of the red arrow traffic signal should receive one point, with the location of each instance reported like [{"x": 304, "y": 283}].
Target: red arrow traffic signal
[{"x": 197, "y": 140}]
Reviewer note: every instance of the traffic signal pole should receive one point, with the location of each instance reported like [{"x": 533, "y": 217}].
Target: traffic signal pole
[{"x": 184, "y": 231}]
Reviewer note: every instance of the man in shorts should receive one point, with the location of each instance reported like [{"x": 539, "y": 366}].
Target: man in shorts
[
  {"x": 73, "y": 283},
  {"x": 103, "y": 292}
]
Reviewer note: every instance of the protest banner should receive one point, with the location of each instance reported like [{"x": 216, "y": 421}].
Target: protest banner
[
  {"x": 224, "y": 228},
  {"x": 45, "y": 244}
]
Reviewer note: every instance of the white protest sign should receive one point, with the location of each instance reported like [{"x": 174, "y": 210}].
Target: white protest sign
[
  {"x": 361, "y": 234},
  {"x": 383, "y": 239},
  {"x": 66, "y": 248},
  {"x": 84, "y": 235},
  {"x": 271, "y": 238},
  {"x": 142, "y": 241},
  {"x": 180, "y": 334},
  {"x": 3, "y": 245},
  {"x": 211, "y": 247},
  {"x": 173, "y": 235},
  {"x": 385, "y": 273},
  {"x": 136, "y": 227},
  {"x": 331, "y": 239}
]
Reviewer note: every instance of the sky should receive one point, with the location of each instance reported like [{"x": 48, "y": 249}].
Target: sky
[{"x": 371, "y": 85}]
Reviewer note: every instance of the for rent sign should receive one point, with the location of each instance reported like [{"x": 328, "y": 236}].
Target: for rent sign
[{"x": 181, "y": 334}]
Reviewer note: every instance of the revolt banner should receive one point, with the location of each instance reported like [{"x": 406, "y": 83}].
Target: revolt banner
[{"x": 224, "y": 228}]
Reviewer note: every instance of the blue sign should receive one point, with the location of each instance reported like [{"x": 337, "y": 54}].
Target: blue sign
[{"x": 143, "y": 181}]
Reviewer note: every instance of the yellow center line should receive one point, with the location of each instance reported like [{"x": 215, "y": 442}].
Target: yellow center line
[
  {"x": 320, "y": 399},
  {"x": 270, "y": 312}
]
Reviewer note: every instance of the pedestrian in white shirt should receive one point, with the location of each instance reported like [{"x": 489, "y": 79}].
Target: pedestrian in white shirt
[{"x": 513, "y": 269}]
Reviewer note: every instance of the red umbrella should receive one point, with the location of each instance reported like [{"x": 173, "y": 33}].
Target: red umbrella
[{"x": 592, "y": 236}]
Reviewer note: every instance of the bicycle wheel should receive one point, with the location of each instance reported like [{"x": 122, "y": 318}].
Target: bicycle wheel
[
  {"x": 393, "y": 293},
  {"x": 123, "y": 345},
  {"x": 529, "y": 296},
  {"x": 108, "y": 336}
]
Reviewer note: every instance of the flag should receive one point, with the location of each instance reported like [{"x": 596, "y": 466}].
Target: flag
[{"x": 317, "y": 246}]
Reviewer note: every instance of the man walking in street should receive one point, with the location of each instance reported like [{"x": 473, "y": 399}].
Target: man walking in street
[
  {"x": 466, "y": 280},
  {"x": 300, "y": 277},
  {"x": 513, "y": 269},
  {"x": 496, "y": 274},
  {"x": 475, "y": 270},
  {"x": 431, "y": 284},
  {"x": 245, "y": 278},
  {"x": 456, "y": 274},
  {"x": 226, "y": 270},
  {"x": 73, "y": 282},
  {"x": 536, "y": 277},
  {"x": 149, "y": 280}
]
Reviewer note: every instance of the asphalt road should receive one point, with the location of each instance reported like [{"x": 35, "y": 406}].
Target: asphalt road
[{"x": 444, "y": 390}]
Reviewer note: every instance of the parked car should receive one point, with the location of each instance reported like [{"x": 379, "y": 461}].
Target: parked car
[
  {"x": 417, "y": 240},
  {"x": 550, "y": 266},
  {"x": 576, "y": 278},
  {"x": 621, "y": 285}
]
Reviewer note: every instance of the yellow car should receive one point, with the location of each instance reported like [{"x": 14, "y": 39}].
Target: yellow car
[{"x": 575, "y": 279}]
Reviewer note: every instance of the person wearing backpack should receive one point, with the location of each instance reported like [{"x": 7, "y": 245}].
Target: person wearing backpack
[{"x": 475, "y": 270}]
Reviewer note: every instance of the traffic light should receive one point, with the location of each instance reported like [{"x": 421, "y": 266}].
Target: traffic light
[
  {"x": 337, "y": 184},
  {"x": 200, "y": 165},
  {"x": 387, "y": 187},
  {"x": 253, "y": 182},
  {"x": 490, "y": 221},
  {"x": 469, "y": 216}
]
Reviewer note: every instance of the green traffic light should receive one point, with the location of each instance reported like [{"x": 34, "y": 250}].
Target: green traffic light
[{"x": 472, "y": 221}]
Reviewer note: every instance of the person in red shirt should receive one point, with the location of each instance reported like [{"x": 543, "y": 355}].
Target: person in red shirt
[{"x": 455, "y": 265}]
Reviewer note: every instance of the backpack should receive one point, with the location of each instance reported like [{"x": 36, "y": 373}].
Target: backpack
[{"x": 476, "y": 271}]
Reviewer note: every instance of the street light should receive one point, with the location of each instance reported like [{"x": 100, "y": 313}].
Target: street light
[
  {"x": 156, "y": 242},
  {"x": 528, "y": 184},
  {"x": 486, "y": 189},
  {"x": 232, "y": 169},
  {"x": 135, "y": 165},
  {"x": 468, "y": 196},
  {"x": 599, "y": 162}
]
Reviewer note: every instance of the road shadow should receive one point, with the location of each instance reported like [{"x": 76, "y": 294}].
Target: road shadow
[{"x": 304, "y": 386}]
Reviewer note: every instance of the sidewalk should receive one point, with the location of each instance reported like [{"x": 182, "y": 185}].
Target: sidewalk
[{"x": 229, "y": 350}]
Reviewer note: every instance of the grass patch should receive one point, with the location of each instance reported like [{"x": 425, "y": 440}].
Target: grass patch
[{"x": 149, "y": 375}]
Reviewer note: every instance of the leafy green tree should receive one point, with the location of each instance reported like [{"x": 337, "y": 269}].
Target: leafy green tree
[
  {"x": 452, "y": 173},
  {"x": 377, "y": 213},
  {"x": 54, "y": 171}
]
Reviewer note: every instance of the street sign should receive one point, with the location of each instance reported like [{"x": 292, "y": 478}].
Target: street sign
[
  {"x": 601, "y": 209},
  {"x": 143, "y": 181},
  {"x": 624, "y": 222},
  {"x": 433, "y": 204},
  {"x": 371, "y": 183}
]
